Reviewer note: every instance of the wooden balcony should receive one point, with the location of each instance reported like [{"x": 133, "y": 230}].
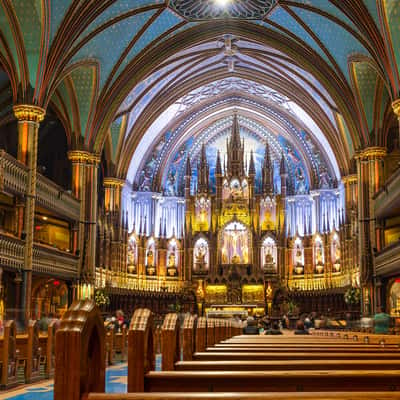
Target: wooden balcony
[
  {"x": 388, "y": 260},
  {"x": 46, "y": 259},
  {"x": 13, "y": 180},
  {"x": 387, "y": 200}
]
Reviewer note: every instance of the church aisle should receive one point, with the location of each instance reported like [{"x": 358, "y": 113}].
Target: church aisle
[{"x": 115, "y": 383}]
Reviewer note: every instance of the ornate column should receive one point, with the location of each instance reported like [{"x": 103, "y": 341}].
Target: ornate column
[
  {"x": 78, "y": 159},
  {"x": 369, "y": 180},
  {"x": 112, "y": 193},
  {"x": 91, "y": 214},
  {"x": 29, "y": 118},
  {"x": 84, "y": 187}
]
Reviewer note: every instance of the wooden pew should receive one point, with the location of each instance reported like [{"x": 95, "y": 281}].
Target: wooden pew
[
  {"x": 8, "y": 347},
  {"x": 282, "y": 365},
  {"x": 210, "y": 332},
  {"x": 201, "y": 334},
  {"x": 301, "y": 348},
  {"x": 141, "y": 363},
  {"x": 248, "y": 396},
  {"x": 120, "y": 342},
  {"x": 80, "y": 352},
  {"x": 368, "y": 338},
  {"x": 110, "y": 349},
  {"x": 268, "y": 381},
  {"x": 188, "y": 342},
  {"x": 47, "y": 345},
  {"x": 29, "y": 352},
  {"x": 246, "y": 356},
  {"x": 170, "y": 343}
]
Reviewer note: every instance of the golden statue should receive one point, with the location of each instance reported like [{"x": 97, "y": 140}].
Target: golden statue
[
  {"x": 268, "y": 257},
  {"x": 171, "y": 260},
  {"x": 150, "y": 258}
]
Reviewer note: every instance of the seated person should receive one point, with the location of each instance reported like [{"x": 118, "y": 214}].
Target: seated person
[
  {"x": 251, "y": 328},
  {"x": 300, "y": 328},
  {"x": 274, "y": 330}
]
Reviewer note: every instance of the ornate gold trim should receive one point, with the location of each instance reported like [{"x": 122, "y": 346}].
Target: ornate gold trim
[
  {"x": 27, "y": 112},
  {"x": 349, "y": 178},
  {"x": 396, "y": 107},
  {"x": 82, "y": 156},
  {"x": 113, "y": 182},
  {"x": 372, "y": 152}
]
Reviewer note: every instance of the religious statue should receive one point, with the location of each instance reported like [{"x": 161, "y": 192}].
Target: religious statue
[
  {"x": 171, "y": 260},
  {"x": 268, "y": 257},
  {"x": 236, "y": 259},
  {"x": 318, "y": 255},
  {"x": 200, "y": 256},
  {"x": 150, "y": 258}
]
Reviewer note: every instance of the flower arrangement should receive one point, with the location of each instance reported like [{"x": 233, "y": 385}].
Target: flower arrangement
[
  {"x": 352, "y": 296},
  {"x": 101, "y": 298}
]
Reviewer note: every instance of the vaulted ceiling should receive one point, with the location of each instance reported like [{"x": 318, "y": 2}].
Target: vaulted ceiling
[{"x": 110, "y": 68}]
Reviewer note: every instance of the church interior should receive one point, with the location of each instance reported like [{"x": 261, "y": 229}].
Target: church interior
[{"x": 227, "y": 160}]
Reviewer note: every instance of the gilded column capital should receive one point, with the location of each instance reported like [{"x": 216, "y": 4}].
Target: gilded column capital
[
  {"x": 30, "y": 113},
  {"x": 113, "y": 182},
  {"x": 396, "y": 107},
  {"x": 78, "y": 156},
  {"x": 348, "y": 179},
  {"x": 93, "y": 159},
  {"x": 83, "y": 157},
  {"x": 371, "y": 153}
]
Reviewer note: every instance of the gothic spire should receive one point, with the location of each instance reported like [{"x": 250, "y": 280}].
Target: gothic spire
[
  {"x": 218, "y": 168},
  {"x": 267, "y": 174},
  {"x": 252, "y": 168},
  {"x": 235, "y": 151},
  {"x": 203, "y": 171}
]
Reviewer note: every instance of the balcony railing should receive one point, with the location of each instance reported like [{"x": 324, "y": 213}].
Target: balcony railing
[
  {"x": 13, "y": 179},
  {"x": 388, "y": 260},
  {"x": 45, "y": 259},
  {"x": 137, "y": 283}
]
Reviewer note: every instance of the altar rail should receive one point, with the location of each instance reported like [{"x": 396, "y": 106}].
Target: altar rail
[
  {"x": 45, "y": 258},
  {"x": 13, "y": 179}
]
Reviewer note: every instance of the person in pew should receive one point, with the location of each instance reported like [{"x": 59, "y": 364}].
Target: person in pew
[
  {"x": 300, "y": 328},
  {"x": 251, "y": 327},
  {"x": 274, "y": 330}
]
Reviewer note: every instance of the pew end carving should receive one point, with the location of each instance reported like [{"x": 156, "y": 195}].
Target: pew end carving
[
  {"x": 170, "y": 343},
  {"x": 188, "y": 345},
  {"x": 9, "y": 356},
  {"x": 201, "y": 334},
  {"x": 141, "y": 358},
  {"x": 80, "y": 355}
]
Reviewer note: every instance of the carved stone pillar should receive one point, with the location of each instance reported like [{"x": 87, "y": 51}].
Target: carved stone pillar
[{"x": 29, "y": 118}]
